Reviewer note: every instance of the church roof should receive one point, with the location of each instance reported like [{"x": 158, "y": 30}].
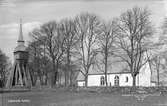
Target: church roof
[{"x": 116, "y": 67}]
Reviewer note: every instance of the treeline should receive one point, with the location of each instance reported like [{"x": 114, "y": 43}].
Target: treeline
[
  {"x": 5, "y": 67},
  {"x": 59, "y": 50}
]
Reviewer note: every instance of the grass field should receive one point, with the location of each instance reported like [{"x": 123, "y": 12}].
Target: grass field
[{"x": 54, "y": 97}]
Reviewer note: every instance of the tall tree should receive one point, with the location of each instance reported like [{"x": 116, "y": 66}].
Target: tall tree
[
  {"x": 34, "y": 51},
  {"x": 157, "y": 63},
  {"x": 3, "y": 68},
  {"x": 106, "y": 41},
  {"x": 134, "y": 30},
  {"x": 88, "y": 27},
  {"x": 160, "y": 52},
  {"x": 164, "y": 26},
  {"x": 39, "y": 62},
  {"x": 68, "y": 30},
  {"x": 49, "y": 35}
]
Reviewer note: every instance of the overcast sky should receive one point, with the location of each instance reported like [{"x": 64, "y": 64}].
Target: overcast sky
[{"x": 36, "y": 12}]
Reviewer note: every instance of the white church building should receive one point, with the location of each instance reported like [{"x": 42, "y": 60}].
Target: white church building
[{"x": 118, "y": 75}]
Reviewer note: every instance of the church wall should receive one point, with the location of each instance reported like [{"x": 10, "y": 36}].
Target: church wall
[
  {"x": 95, "y": 80},
  {"x": 144, "y": 77},
  {"x": 81, "y": 83},
  {"x": 125, "y": 79}
]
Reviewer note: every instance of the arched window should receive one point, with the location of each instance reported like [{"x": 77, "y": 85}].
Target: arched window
[
  {"x": 126, "y": 79},
  {"x": 116, "y": 81},
  {"x": 102, "y": 80}
]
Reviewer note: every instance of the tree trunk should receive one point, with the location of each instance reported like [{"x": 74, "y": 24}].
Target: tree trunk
[
  {"x": 56, "y": 73},
  {"x": 71, "y": 78},
  {"x": 72, "y": 75},
  {"x": 134, "y": 81},
  {"x": 65, "y": 76},
  {"x": 53, "y": 73},
  {"x": 49, "y": 79},
  {"x": 86, "y": 80},
  {"x": 106, "y": 68},
  {"x": 158, "y": 77},
  {"x": 158, "y": 67},
  {"x": 60, "y": 74},
  {"x": 55, "y": 79},
  {"x": 45, "y": 79},
  {"x": 68, "y": 74}
]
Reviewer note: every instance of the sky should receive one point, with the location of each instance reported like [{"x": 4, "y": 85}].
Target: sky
[{"x": 36, "y": 12}]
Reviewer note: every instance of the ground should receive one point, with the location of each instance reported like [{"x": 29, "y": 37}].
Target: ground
[{"x": 59, "y": 97}]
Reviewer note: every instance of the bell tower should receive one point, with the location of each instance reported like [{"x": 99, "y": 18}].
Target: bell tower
[{"x": 19, "y": 76}]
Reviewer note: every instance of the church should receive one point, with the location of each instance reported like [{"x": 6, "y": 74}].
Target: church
[{"x": 118, "y": 75}]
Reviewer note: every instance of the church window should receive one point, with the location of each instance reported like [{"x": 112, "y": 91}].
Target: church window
[
  {"x": 127, "y": 79},
  {"x": 116, "y": 80},
  {"x": 102, "y": 80}
]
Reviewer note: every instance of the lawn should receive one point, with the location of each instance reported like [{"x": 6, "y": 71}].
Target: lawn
[{"x": 59, "y": 97}]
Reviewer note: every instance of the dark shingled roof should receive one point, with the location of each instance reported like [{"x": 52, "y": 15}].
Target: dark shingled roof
[
  {"x": 20, "y": 48},
  {"x": 20, "y": 41}
]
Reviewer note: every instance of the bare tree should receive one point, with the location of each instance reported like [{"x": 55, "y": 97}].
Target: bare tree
[
  {"x": 106, "y": 41},
  {"x": 49, "y": 35},
  {"x": 39, "y": 62},
  {"x": 134, "y": 31},
  {"x": 88, "y": 27},
  {"x": 164, "y": 26},
  {"x": 68, "y": 30},
  {"x": 157, "y": 63},
  {"x": 4, "y": 64},
  {"x": 34, "y": 52}
]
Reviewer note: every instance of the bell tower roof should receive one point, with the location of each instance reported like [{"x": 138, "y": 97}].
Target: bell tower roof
[{"x": 20, "y": 39}]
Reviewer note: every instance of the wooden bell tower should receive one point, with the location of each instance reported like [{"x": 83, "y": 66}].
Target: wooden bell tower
[{"x": 19, "y": 76}]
